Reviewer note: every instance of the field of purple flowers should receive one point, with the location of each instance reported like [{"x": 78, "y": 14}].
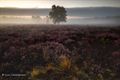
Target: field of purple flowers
[{"x": 52, "y": 52}]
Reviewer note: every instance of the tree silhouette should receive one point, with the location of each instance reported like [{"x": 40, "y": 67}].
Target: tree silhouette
[{"x": 58, "y": 14}]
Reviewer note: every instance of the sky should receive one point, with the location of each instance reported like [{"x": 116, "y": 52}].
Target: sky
[{"x": 65, "y": 3}]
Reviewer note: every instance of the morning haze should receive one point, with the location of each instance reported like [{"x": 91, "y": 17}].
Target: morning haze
[
  {"x": 65, "y": 3},
  {"x": 59, "y": 39},
  {"x": 78, "y": 11}
]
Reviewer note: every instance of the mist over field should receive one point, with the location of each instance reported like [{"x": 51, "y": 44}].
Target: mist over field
[
  {"x": 84, "y": 16},
  {"x": 59, "y": 39}
]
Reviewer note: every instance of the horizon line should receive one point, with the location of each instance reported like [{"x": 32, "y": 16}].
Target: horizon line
[{"x": 65, "y": 7}]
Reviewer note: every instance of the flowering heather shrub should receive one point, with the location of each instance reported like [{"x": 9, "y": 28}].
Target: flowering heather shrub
[
  {"x": 116, "y": 54},
  {"x": 60, "y": 53}
]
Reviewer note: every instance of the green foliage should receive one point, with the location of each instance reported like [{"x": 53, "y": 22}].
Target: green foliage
[{"x": 58, "y": 14}]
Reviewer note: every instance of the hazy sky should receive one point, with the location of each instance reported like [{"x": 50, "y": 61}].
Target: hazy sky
[{"x": 65, "y": 3}]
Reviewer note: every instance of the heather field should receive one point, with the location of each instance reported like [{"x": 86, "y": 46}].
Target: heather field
[{"x": 59, "y": 52}]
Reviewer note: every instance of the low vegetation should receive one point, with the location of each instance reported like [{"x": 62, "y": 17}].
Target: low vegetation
[{"x": 59, "y": 52}]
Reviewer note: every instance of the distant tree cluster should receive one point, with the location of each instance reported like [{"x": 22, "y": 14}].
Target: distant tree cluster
[
  {"x": 36, "y": 17},
  {"x": 58, "y": 14}
]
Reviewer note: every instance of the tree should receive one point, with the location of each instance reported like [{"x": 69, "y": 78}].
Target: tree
[{"x": 58, "y": 14}]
